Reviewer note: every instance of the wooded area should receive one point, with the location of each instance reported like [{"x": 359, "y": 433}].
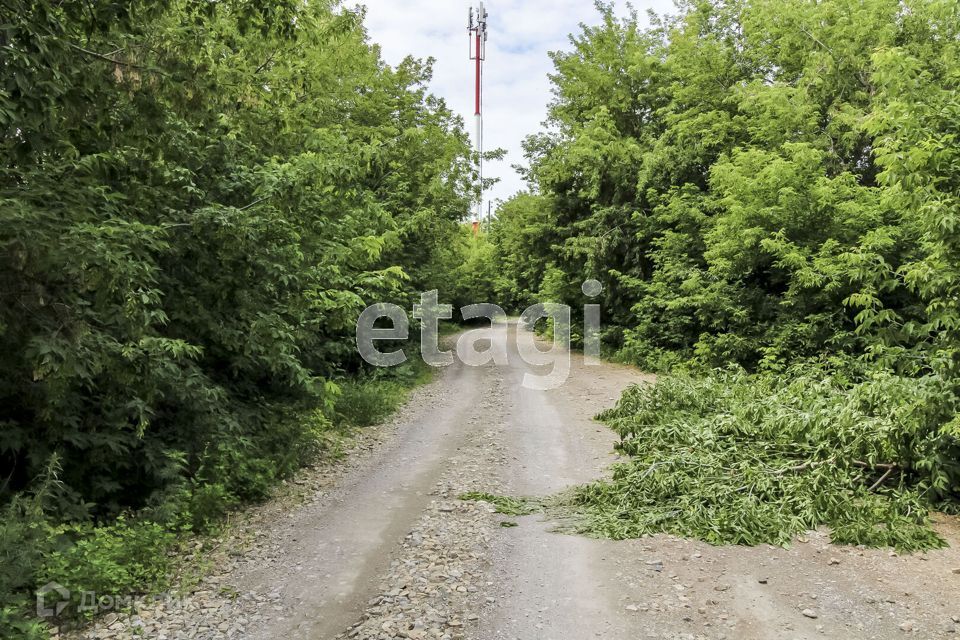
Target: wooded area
[
  {"x": 770, "y": 192},
  {"x": 197, "y": 199}
]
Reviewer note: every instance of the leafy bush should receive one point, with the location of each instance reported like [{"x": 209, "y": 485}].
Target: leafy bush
[
  {"x": 13, "y": 624},
  {"x": 123, "y": 558},
  {"x": 739, "y": 459}
]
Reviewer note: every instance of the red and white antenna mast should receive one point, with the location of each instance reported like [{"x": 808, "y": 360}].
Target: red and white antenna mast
[{"x": 477, "y": 27}]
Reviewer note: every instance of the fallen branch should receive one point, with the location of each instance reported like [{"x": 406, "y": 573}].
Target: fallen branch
[
  {"x": 877, "y": 465},
  {"x": 812, "y": 464},
  {"x": 883, "y": 478}
]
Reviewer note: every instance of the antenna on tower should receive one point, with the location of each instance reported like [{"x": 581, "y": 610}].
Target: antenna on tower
[{"x": 477, "y": 28}]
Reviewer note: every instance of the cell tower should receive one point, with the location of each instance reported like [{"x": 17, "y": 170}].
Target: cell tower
[{"x": 477, "y": 28}]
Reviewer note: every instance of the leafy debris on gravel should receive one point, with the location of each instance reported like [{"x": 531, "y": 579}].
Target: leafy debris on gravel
[
  {"x": 504, "y": 504},
  {"x": 742, "y": 459}
]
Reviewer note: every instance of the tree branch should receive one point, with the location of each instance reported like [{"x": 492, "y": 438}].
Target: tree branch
[
  {"x": 254, "y": 203},
  {"x": 878, "y": 465},
  {"x": 883, "y": 478},
  {"x": 107, "y": 58}
]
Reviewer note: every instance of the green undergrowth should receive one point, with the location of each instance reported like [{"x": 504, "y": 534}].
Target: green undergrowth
[
  {"x": 733, "y": 458},
  {"x": 125, "y": 558},
  {"x": 136, "y": 554}
]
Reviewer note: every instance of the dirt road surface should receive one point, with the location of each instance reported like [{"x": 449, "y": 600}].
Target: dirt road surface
[{"x": 383, "y": 548}]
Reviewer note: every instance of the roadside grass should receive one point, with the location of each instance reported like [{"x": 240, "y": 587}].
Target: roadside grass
[{"x": 368, "y": 401}]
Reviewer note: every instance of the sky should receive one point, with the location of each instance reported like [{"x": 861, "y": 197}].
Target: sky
[{"x": 516, "y": 87}]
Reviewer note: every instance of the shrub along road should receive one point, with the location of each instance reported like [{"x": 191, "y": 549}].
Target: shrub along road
[{"x": 384, "y": 548}]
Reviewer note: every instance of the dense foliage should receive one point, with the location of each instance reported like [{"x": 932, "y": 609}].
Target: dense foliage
[
  {"x": 759, "y": 184},
  {"x": 753, "y": 181},
  {"x": 196, "y": 201}
]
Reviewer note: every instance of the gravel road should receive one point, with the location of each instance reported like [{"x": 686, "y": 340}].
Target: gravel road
[{"x": 380, "y": 546}]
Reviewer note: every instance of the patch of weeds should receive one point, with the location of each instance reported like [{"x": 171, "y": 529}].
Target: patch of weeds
[
  {"x": 228, "y": 591},
  {"x": 368, "y": 401}
]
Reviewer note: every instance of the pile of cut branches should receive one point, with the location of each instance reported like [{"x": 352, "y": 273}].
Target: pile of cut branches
[{"x": 740, "y": 459}]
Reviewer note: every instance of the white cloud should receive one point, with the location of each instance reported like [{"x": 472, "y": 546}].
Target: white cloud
[{"x": 516, "y": 86}]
